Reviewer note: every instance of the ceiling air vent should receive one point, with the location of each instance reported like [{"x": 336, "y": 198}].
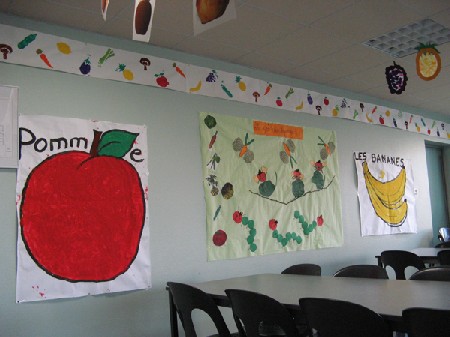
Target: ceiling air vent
[{"x": 404, "y": 40}]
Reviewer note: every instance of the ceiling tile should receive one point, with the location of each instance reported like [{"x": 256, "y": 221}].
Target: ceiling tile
[
  {"x": 348, "y": 61},
  {"x": 210, "y": 49},
  {"x": 303, "y": 46},
  {"x": 174, "y": 16},
  {"x": 117, "y": 27},
  {"x": 433, "y": 94},
  {"x": 300, "y": 10},
  {"x": 381, "y": 92},
  {"x": 311, "y": 74},
  {"x": 372, "y": 77},
  {"x": 261, "y": 28},
  {"x": 442, "y": 17},
  {"x": 366, "y": 19},
  {"x": 165, "y": 38},
  {"x": 60, "y": 15},
  {"x": 263, "y": 62},
  {"x": 428, "y": 7},
  {"x": 350, "y": 83}
]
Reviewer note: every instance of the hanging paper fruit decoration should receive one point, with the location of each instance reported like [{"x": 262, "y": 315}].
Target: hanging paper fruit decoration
[
  {"x": 209, "y": 10},
  {"x": 428, "y": 61},
  {"x": 396, "y": 78},
  {"x": 142, "y": 17}
]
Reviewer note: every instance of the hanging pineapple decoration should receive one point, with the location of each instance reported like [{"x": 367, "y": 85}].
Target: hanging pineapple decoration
[{"x": 428, "y": 61}]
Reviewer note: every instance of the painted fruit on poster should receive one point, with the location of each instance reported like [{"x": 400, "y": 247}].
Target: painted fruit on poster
[
  {"x": 82, "y": 191},
  {"x": 269, "y": 188}
]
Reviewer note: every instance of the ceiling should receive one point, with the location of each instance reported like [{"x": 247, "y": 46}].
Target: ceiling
[{"x": 314, "y": 40}]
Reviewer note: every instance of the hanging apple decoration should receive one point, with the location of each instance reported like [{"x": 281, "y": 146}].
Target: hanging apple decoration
[
  {"x": 82, "y": 214},
  {"x": 428, "y": 62},
  {"x": 396, "y": 78}
]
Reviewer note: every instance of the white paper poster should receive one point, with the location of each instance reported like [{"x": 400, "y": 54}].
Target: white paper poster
[
  {"x": 104, "y": 5},
  {"x": 386, "y": 194},
  {"x": 143, "y": 19},
  {"x": 82, "y": 194},
  {"x": 8, "y": 126}
]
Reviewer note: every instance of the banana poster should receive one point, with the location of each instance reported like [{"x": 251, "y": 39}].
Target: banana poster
[
  {"x": 269, "y": 188},
  {"x": 82, "y": 195},
  {"x": 386, "y": 194}
]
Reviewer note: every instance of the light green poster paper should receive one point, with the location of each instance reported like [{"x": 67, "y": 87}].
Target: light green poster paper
[{"x": 269, "y": 188}]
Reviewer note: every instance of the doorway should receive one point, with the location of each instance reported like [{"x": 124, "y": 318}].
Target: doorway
[{"x": 438, "y": 193}]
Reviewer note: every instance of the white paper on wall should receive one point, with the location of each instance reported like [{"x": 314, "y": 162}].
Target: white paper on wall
[
  {"x": 8, "y": 126},
  {"x": 82, "y": 192},
  {"x": 386, "y": 194}
]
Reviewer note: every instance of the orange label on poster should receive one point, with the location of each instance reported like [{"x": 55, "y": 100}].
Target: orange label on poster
[{"x": 277, "y": 130}]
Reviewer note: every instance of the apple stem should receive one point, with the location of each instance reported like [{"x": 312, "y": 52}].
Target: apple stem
[{"x": 95, "y": 142}]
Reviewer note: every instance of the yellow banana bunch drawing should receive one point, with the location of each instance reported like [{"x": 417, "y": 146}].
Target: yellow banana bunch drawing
[
  {"x": 390, "y": 192},
  {"x": 387, "y": 197}
]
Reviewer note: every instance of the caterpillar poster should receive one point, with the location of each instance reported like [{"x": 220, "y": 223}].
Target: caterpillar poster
[
  {"x": 386, "y": 194},
  {"x": 269, "y": 188},
  {"x": 82, "y": 191}
]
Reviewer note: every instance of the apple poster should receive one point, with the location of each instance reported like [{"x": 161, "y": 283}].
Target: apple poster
[{"x": 82, "y": 205}]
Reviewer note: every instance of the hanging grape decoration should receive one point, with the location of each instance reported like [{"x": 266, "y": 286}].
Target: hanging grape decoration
[{"x": 396, "y": 78}]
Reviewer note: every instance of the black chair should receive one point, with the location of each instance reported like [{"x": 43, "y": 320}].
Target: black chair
[
  {"x": 188, "y": 298},
  {"x": 439, "y": 273},
  {"x": 425, "y": 322},
  {"x": 334, "y": 318},
  {"x": 304, "y": 269},
  {"x": 444, "y": 257},
  {"x": 299, "y": 317},
  {"x": 445, "y": 244},
  {"x": 399, "y": 260},
  {"x": 251, "y": 309},
  {"x": 362, "y": 271}
]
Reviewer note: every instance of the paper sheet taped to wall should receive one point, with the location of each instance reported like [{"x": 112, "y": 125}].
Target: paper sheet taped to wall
[{"x": 8, "y": 126}]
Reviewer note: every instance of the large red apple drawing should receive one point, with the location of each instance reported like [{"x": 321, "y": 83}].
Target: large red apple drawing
[{"x": 82, "y": 214}]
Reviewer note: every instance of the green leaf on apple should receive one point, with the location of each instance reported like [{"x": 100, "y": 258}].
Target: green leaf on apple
[{"x": 116, "y": 143}]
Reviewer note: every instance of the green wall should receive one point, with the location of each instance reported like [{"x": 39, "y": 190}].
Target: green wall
[{"x": 176, "y": 200}]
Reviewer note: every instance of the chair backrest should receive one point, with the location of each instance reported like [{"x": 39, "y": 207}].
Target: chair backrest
[
  {"x": 251, "y": 309},
  {"x": 399, "y": 260},
  {"x": 304, "y": 269},
  {"x": 362, "y": 271},
  {"x": 444, "y": 257},
  {"x": 334, "y": 318},
  {"x": 444, "y": 244},
  {"x": 424, "y": 322},
  {"x": 444, "y": 234},
  {"x": 188, "y": 298},
  {"x": 433, "y": 274}
]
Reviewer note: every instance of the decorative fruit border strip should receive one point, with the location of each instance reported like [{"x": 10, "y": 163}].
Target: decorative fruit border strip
[{"x": 39, "y": 50}]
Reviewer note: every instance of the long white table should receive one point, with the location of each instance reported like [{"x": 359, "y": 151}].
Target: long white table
[{"x": 386, "y": 297}]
